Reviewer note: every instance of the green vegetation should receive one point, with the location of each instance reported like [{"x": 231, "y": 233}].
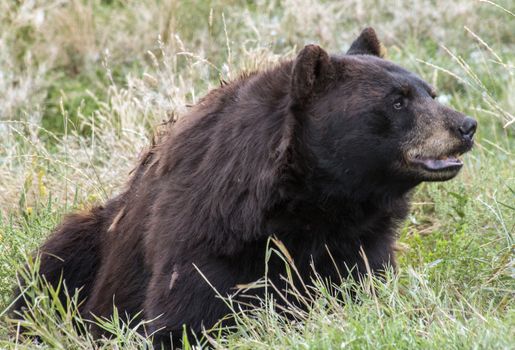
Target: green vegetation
[{"x": 83, "y": 84}]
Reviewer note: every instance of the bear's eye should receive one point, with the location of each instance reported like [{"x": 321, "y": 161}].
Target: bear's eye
[{"x": 399, "y": 103}]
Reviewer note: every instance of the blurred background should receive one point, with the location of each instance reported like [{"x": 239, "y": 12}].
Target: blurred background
[{"x": 83, "y": 82}]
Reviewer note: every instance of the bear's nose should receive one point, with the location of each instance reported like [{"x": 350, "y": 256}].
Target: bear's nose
[{"x": 468, "y": 128}]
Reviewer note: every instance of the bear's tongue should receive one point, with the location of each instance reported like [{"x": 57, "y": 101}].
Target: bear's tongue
[{"x": 444, "y": 163}]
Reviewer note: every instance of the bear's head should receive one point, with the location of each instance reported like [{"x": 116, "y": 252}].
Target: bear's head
[{"x": 367, "y": 121}]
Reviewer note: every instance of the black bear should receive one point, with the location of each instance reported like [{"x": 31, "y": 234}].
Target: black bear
[{"x": 320, "y": 152}]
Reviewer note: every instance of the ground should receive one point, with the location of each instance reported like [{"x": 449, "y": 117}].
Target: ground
[{"x": 84, "y": 84}]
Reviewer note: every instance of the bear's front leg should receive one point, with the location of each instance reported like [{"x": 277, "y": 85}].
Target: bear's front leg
[
  {"x": 378, "y": 253},
  {"x": 188, "y": 294}
]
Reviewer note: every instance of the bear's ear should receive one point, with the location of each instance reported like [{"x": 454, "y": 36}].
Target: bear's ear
[
  {"x": 310, "y": 71},
  {"x": 367, "y": 44}
]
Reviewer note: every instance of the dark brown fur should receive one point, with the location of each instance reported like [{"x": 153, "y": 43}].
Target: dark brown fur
[{"x": 311, "y": 151}]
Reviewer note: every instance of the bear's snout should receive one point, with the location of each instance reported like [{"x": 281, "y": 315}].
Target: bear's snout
[{"x": 468, "y": 128}]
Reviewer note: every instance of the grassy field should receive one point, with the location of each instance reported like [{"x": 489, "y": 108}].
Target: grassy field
[{"x": 85, "y": 83}]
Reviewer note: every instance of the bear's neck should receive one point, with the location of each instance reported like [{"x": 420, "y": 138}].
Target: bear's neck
[{"x": 347, "y": 216}]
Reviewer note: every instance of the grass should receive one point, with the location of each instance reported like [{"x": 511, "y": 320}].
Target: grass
[{"x": 84, "y": 83}]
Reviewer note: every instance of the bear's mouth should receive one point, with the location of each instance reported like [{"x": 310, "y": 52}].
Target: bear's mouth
[{"x": 439, "y": 164}]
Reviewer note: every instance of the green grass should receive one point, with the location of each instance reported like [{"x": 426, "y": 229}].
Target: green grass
[{"x": 86, "y": 83}]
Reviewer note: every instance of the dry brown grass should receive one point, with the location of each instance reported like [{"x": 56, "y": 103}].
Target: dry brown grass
[{"x": 181, "y": 50}]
